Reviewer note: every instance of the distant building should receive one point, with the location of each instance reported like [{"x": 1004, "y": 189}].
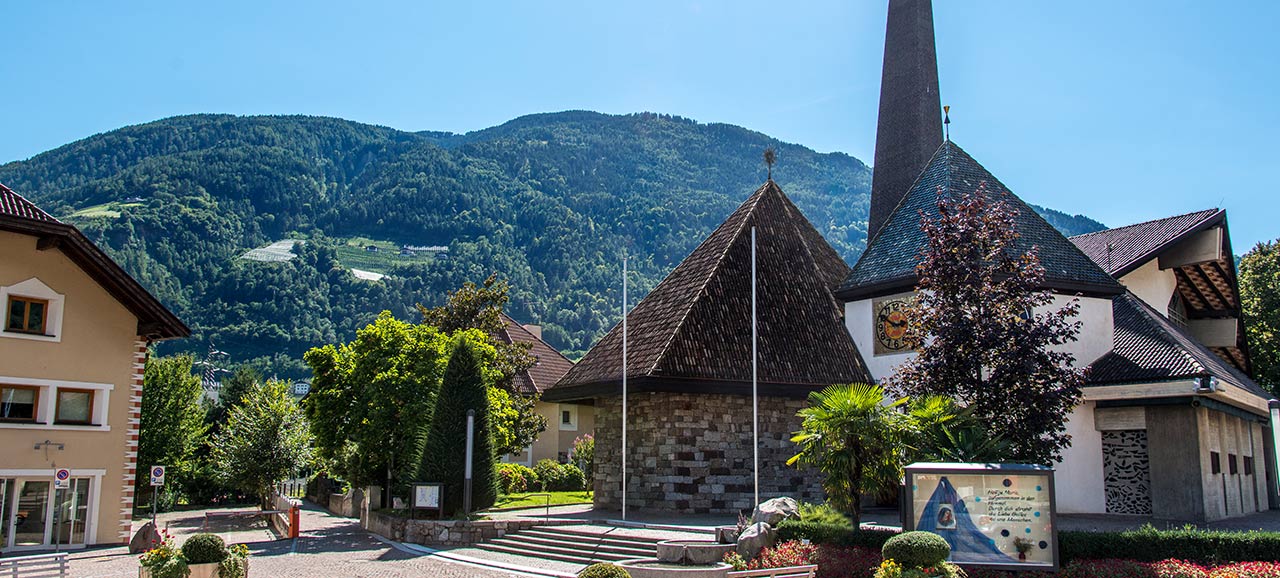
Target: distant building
[
  {"x": 565, "y": 421},
  {"x": 72, "y": 349}
]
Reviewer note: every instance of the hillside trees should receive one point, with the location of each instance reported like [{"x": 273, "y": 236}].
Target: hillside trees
[
  {"x": 1260, "y": 299},
  {"x": 983, "y": 333}
]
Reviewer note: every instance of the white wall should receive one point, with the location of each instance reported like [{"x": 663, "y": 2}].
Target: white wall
[
  {"x": 1152, "y": 285},
  {"x": 1078, "y": 478},
  {"x": 1097, "y": 334}
]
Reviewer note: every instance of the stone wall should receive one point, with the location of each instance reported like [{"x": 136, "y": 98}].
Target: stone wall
[
  {"x": 450, "y": 532},
  {"x": 692, "y": 453}
]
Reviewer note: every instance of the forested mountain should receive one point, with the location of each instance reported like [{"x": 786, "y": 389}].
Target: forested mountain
[{"x": 548, "y": 201}]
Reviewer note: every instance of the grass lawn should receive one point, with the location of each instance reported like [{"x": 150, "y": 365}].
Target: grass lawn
[{"x": 533, "y": 499}]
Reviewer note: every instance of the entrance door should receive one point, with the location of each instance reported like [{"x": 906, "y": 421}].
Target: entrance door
[
  {"x": 30, "y": 518},
  {"x": 72, "y": 512}
]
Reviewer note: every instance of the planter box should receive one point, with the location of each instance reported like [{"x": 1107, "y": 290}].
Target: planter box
[{"x": 198, "y": 570}]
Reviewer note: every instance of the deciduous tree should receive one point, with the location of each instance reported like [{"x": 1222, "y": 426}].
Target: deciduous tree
[
  {"x": 984, "y": 330},
  {"x": 265, "y": 441},
  {"x": 1260, "y": 299},
  {"x": 172, "y": 420}
]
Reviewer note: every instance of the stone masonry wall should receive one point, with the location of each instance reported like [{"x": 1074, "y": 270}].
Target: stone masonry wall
[
  {"x": 451, "y": 533},
  {"x": 692, "y": 453}
]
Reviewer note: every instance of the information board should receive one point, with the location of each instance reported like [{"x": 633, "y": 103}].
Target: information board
[
  {"x": 993, "y": 515},
  {"x": 426, "y": 496}
]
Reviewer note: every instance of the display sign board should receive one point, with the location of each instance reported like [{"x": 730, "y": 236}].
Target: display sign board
[
  {"x": 61, "y": 479},
  {"x": 157, "y": 475},
  {"x": 428, "y": 497},
  {"x": 993, "y": 515}
]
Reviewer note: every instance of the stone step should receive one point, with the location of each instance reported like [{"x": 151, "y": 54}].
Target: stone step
[
  {"x": 584, "y": 537},
  {"x": 542, "y": 555},
  {"x": 538, "y": 542},
  {"x": 583, "y": 552}
]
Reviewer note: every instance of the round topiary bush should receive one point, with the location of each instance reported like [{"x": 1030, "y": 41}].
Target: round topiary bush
[
  {"x": 916, "y": 549},
  {"x": 204, "y": 549},
  {"x": 603, "y": 571}
]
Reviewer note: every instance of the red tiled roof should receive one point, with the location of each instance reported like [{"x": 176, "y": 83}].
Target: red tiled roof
[
  {"x": 14, "y": 205},
  {"x": 550, "y": 365}
]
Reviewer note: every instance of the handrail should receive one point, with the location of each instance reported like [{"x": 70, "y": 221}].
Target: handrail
[
  {"x": 546, "y": 515},
  {"x": 38, "y": 562},
  {"x": 790, "y": 572}
]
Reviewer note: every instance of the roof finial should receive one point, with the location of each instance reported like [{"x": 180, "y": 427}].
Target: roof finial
[
  {"x": 770, "y": 157},
  {"x": 946, "y": 122}
]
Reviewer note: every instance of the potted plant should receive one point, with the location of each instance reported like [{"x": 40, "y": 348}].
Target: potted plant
[
  {"x": 202, "y": 556},
  {"x": 1023, "y": 546}
]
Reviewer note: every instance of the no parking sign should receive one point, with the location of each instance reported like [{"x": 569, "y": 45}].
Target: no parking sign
[
  {"x": 62, "y": 479},
  {"x": 157, "y": 475}
]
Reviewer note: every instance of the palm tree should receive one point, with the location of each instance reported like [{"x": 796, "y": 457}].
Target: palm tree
[{"x": 856, "y": 438}]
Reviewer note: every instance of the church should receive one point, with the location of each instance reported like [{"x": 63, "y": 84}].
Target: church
[{"x": 1171, "y": 425}]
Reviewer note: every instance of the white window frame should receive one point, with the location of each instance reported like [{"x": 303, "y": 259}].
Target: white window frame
[
  {"x": 47, "y": 405},
  {"x": 34, "y": 288},
  {"x": 573, "y": 417}
]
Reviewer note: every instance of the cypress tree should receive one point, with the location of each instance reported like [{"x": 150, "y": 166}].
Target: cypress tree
[{"x": 444, "y": 457}]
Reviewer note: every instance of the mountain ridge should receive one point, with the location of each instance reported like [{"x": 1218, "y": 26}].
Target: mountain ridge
[{"x": 545, "y": 200}]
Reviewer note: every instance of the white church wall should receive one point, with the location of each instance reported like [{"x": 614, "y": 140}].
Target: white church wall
[
  {"x": 1097, "y": 332},
  {"x": 1152, "y": 285},
  {"x": 1078, "y": 477},
  {"x": 858, "y": 319}
]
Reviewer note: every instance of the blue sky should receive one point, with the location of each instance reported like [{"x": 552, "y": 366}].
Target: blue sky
[{"x": 1124, "y": 111}]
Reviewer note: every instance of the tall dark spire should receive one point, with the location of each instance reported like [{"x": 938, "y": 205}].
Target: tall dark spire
[{"x": 910, "y": 125}]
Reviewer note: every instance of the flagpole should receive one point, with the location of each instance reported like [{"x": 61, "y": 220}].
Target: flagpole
[
  {"x": 755, "y": 394},
  {"x": 624, "y": 386}
]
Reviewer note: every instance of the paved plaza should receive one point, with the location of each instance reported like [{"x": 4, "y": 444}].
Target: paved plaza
[{"x": 330, "y": 546}]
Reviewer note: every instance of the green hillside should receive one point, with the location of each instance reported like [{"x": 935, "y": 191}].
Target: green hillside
[{"x": 547, "y": 201}]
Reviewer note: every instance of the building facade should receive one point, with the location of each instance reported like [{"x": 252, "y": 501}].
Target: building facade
[
  {"x": 72, "y": 349},
  {"x": 565, "y": 421}
]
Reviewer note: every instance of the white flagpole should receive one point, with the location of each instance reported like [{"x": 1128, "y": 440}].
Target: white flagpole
[
  {"x": 624, "y": 386},
  {"x": 755, "y": 395}
]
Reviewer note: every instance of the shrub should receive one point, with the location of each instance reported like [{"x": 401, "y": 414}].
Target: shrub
[
  {"x": 833, "y": 534},
  {"x": 584, "y": 453},
  {"x": 846, "y": 561},
  {"x": 204, "y": 549},
  {"x": 515, "y": 478},
  {"x": 824, "y": 514},
  {"x": 783, "y": 555},
  {"x": 916, "y": 549},
  {"x": 603, "y": 571},
  {"x": 1190, "y": 544},
  {"x": 892, "y": 569},
  {"x": 556, "y": 477}
]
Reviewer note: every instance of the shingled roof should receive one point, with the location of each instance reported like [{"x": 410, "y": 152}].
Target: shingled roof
[
  {"x": 1148, "y": 347},
  {"x": 18, "y": 215},
  {"x": 550, "y": 364},
  {"x": 1123, "y": 249},
  {"x": 889, "y": 263},
  {"x": 692, "y": 333}
]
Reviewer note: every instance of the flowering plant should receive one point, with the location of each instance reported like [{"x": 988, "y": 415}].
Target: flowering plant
[{"x": 164, "y": 559}]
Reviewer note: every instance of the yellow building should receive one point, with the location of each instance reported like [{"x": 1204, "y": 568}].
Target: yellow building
[
  {"x": 565, "y": 421},
  {"x": 73, "y": 343}
]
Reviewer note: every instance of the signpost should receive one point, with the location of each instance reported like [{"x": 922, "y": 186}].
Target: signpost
[
  {"x": 62, "y": 479},
  {"x": 157, "y": 481},
  {"x": 427, "y": 497},
  {"x": 466, "y": 482},
  {"x": 999, "y": 516}
]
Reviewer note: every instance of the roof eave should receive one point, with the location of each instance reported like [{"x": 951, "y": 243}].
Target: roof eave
[{"x": 1209, "y": 223}]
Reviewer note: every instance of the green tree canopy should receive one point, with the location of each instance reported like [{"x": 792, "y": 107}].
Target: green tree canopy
[
  {"x": 444, "y": 453},
  {"x": 265, "y": 441},
  {"x": 1260, "y": 299},
  {"x": 172, "y": 421},
  {"x": 983, "y": 334}
]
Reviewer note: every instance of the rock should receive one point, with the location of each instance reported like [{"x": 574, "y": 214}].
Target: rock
[
  {"x": 727, "y": 534},
  {"x": 776, "y": 510},
  {"x": 755, "y": 538},
  {"x": 146, "y": 538}
]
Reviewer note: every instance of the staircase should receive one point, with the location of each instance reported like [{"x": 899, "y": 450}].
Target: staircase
[{"x": 572, "y": 545}]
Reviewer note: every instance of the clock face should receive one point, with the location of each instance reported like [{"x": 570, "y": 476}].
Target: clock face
[{"x": 891, "y": 325}]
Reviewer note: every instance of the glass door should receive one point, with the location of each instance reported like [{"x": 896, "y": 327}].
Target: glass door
[
  {"x": 6, "y": 511},
  {"x": 31, "y": 514},
  {"x": 72, "y": 512}
]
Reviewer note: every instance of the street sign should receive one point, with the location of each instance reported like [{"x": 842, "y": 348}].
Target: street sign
[
  {"x": 62, "y": 479},
  {"x": 157, "y": 475}
]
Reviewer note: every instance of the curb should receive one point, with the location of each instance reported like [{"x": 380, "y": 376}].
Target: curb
[{"x": 420, "y": 550}]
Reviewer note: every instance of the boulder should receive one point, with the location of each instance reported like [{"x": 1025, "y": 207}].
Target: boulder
[
  {"x": 775, "y": 511},
  {"x": 148, "y": 537},
  {"x": 755, "y": 538},
  {"x": 727, "y": 534}
]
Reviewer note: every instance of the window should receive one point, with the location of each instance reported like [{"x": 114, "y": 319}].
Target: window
[
  {"x": 26, "y": 315},
  {"x": 1248, "y": 466},
  {"x": 1215, "y": 463},
  {"x": 1231, "y": 464},
  {"x": 18, "y": 403},
  {"x": 566, "y": 417},
  {"x": 569, "y": 418},
  {"x": 1177, "y": 311},
  {"x": 75, "y": 406}
]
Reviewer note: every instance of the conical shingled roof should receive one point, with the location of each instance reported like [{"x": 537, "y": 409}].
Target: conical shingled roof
[
  {"x": 693, "y": 331},
  {"x": 889, "y": 263}
]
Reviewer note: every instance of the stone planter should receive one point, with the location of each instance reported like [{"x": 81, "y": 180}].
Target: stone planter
[
  {"x": 693, "y": 552},
  {"x": 198, "y": 570},
  {"x": 655, "y": 568}
]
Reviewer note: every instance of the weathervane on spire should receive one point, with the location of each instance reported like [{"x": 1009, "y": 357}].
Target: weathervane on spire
[
  {"x": 946, "y": 121},
  {"x": 770, "y": 157}
]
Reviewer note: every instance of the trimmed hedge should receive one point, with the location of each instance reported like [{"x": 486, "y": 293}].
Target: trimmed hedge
[
  {"x": 834, "y": 534},
  {"x": 204, "y": 549},
  {"x": 916, "y": 549},
  {"x": 1144, "y": 545}
]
